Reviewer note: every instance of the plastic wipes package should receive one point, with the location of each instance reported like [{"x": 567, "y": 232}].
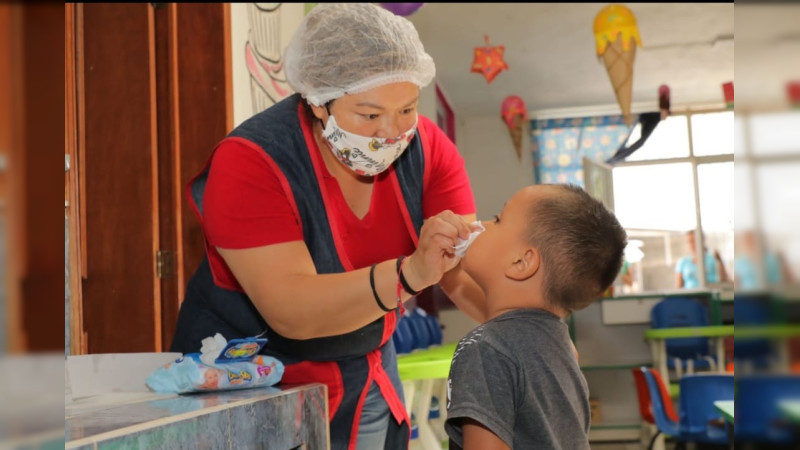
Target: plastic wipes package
[{"x": 235, "y": 366}]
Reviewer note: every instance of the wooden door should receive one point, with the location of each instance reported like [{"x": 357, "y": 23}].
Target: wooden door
[
  {"x": 119, "y": 230},
  {"x": 153, "y": 98}
]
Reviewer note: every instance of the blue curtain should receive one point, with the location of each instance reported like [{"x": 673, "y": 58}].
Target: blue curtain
[{"x": 560, "y": 144}]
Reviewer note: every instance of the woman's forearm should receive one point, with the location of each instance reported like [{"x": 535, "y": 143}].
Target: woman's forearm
[
  {"x": 310, "y": 306},
  {"x": 282, "y": 282}
]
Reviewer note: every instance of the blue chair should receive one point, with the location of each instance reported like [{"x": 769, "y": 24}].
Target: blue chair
[
  {"x": 419, "y": 329},
  {"x": 664, "y": 423},
  {"x": 699, "y": 420},
  {"x": 758, "y": 418},
  {"x": 434, "y": 329},
  {"x": 752, "y": 311},
  {"x": 402, "y": 337},
  {"x": 684, "y": 353}
]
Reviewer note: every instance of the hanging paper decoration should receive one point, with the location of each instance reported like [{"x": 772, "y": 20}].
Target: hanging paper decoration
[
  {"x": 663, "y": 101},
  {"x": 727, "y": 92},
  {"x": 402, "y": 9},
  {"x": 793, "y": 92},
  {"x": 489, "y": 60},
  {"x": 617, "y": 37},
  {"x": 515, "y": 115}
]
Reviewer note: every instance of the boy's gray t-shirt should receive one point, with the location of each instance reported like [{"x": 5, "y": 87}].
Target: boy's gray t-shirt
[{"x": 517, "y": 375}]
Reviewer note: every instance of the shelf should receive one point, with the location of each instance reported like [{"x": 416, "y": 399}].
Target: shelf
[{"x": 708, "y": 331}]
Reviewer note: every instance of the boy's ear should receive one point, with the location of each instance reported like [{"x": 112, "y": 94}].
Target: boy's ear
[{"x": 525, "y": 265}]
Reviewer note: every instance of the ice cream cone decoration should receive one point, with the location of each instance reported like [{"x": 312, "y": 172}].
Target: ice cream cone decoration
[
  {"x": 617, "y": 37},
  {"x": 514, "y": 115}
]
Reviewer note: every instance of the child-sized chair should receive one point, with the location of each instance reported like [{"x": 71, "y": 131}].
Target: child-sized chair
[
  {"x": 646, "y": 404},
  {"x": 684, "y": 354},
  {"x": 698, "y": 420},
  {"x": 758, "y": 416}
]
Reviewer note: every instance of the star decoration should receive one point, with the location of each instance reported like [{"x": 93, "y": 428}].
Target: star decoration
[{"x": 489, "y": 60}]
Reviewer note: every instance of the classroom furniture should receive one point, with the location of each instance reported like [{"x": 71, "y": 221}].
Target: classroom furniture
[
  {"x": 424, "y": 374},
  {"x": 698, "y": 419},
  {"x": 726, "y": 408},
  {"x": 609, "y": 337},
  {"x": 646, "y": 405},
  {"x": 684, "y": 354},
  {"x": 270, "y": 417},
  {"x": 759, "y": 415},
  {"x": 698, "y": 415},
  {"x": 756, "y": 352},
  {"x": 657, "y": 339}
]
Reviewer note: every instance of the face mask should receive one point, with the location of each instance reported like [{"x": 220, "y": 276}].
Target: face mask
[{"x": 364, "y": 155}]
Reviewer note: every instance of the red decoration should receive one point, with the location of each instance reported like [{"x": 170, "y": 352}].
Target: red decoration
[
  {"x": 663, "y": 101},
  {"x": 793, "y": 92},
  {"x": 514, "y": 114},
  {"x": 727, "y": 90},
  {"x": 489, "y": 60}
]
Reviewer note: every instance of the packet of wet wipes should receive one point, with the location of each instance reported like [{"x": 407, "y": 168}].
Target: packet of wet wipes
[{"x": 463, "y": 244}]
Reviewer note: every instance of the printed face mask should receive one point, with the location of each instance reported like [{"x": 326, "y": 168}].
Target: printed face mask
[{"x": 364, "y": 155}]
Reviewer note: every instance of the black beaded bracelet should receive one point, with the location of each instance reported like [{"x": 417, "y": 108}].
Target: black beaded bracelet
[
  {"x": 375, "y": 292},
  {"x": 403, "y": 278}
]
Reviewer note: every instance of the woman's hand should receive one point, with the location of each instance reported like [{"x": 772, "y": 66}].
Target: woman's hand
[{"x": 435, "y": 254}]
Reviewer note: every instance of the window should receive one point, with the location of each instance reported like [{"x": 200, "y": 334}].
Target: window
[
  {"x": 670, "y": 139},
  {"x": 767, "y": 192},
  {"x": 683, "y": 172},
  {"x": 712, "y": 133}
]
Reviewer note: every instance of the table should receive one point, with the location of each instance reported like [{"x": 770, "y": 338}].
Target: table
[
  {"x": 419, "y": 372},
  {"x": 726, "y": 408},
  {"x": 284, "y": 416},
  {"x": 791, "y": 409},
  {"x": 658, "y": 346}
]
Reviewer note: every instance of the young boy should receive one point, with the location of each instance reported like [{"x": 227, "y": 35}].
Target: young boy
[{"x": 514, "y": 380}]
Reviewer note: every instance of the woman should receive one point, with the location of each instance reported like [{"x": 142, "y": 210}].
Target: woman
[
  {"x": 687, "y": 274},
  {"x": 309, "y": 207}
]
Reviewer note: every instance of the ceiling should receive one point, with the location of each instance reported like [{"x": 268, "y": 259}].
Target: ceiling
[{"x": 550, "y": 51}]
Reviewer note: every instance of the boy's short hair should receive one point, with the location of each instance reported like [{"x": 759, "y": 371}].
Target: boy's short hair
[{"x": 581, "y": 243}]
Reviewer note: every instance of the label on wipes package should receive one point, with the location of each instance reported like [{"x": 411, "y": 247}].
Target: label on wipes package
[
  {"x": 463, "y": 244},
  {"x": 241, "y": 350}
]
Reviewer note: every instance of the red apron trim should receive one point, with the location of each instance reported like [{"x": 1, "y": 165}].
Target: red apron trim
[
  {"x": 389, "y": 324},
  {"x": 281, "y": 178},
  {"x": 423, "y": 142},
  {"x": 359, "y": 409},
  {"x": 317, "y": 163},
  {"x": 403, "y": 207},
  {"x": 396, "y": 406},
  {"x": 318, "y": 372}
]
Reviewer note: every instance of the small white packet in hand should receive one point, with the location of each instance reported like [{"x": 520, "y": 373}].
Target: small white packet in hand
[{"x": 463, "y": 244}]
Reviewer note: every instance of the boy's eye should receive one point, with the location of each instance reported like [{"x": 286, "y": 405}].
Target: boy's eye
[
  {"x": 496, "y": 218},
  {"x": 408, "y": 110},
  {"x": 370, "y": 116}
]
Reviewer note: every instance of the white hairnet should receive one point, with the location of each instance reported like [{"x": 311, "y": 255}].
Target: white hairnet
[{"x": 347, "y": 48}]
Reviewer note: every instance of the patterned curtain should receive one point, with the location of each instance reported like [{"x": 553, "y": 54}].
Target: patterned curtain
[{"x": 560, "y": 144}]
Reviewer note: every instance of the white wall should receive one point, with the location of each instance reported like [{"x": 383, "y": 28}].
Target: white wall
[
  {"x": 494, "y": 170},
  {"x": 427, "y": 101},
  {"x": 287, "y": 18}
]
